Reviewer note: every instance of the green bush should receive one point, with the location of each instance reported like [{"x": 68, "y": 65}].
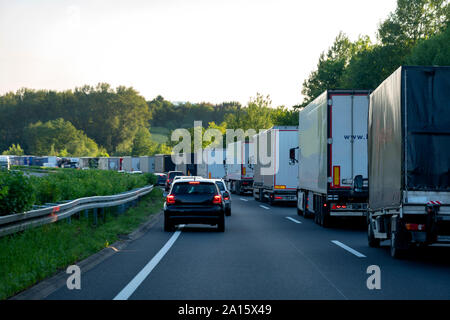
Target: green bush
[{"x": 16, "y": 193}]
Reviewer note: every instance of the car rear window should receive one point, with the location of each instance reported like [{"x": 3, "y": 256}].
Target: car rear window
[
  {"x": 220, "y": 185},
  {"x": 187, "y": 188},
  {"x": 174, "y": 174}
]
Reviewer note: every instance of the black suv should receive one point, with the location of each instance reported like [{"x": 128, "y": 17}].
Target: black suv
[
  {"x": 170, "y": 176},
  {"x": 194, "y": 201}
]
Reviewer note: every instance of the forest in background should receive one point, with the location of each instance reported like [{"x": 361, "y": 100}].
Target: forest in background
[{"x": 101, "y": 120}]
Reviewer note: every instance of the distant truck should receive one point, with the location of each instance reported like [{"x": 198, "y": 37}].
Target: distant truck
[
  {"x": 147, "y": 164},
  {"x": 190, "y": 167},
  {"x": 239, "y": 169},
  {"x": 131, "y": 164},
  {"x": 332, "y": 175},
  {"x": 409, "y": 159},
  {"x": 5, "y": 163},
  {"x": 279, "y": 183},
  {"x": 164, "y": 163},
  {"x": 212, "y": 166}
]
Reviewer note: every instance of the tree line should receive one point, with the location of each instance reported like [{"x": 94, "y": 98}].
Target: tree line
[
  {"x": 416, "y": 33},
  {"x": 102, "y": 121}
]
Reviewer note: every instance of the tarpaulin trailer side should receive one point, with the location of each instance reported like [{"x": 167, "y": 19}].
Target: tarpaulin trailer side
[{"x": 409, "y": 158}]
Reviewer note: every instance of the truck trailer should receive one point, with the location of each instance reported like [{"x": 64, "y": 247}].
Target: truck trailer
[
  {"x": 147, "y": 164},
  {"x": 189, "y": 168},
  {"x": 212, "y": 166},
  {"x": 275, "y": 178},
  {"x": 409, "y": 159},
  {"x": 164, "y": 163},
  {"x": 239, "y": 169},
  {"x": 333, "y": 156},
  {"x": 131, "y": 164}
]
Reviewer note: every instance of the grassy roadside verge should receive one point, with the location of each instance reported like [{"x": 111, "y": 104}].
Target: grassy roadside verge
[{"x": 35, "y": 254}]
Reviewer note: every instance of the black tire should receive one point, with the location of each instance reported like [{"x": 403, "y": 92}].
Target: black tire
[
  {"x": 228, "y": 212},
  {"x": 396, "y": 252},
  {"x": 326, "y": 218},
  {"x": 221, "y": 224},
  {"x": 270, "y": 200},
  {"x": 372, "y": 241},
  {"x": 168, "y": 226}
]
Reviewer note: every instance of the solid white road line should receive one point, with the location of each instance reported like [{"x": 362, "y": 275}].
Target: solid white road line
[
  {"x": 264, "y": 207},
  {"x": 143, "y": 274},
  {"x": 343, "y": 246},
  {"x": 243, "y": 199},
  {"x": 292, "y": 219}
]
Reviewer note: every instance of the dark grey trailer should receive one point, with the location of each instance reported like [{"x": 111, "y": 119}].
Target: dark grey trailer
[
  {"x": 164, "y": 163},
  {"x": 409, "y": 159}
]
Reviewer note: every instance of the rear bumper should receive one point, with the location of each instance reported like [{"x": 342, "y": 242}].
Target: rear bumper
[
  {"x": 210, "y": 215},
  {"x": 348, "y": 213}
]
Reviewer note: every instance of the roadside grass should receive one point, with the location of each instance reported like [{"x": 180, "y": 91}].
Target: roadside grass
[{"x": 36, "y": 254}]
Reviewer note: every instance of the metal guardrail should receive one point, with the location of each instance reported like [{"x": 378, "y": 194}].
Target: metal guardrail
[{"x": 48, "y": 214}]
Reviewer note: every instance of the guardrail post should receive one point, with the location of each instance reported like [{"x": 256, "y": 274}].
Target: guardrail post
[
  {"x": 95, "y": 216},
  {"x": 102, "y": 213},
  {"x": 69, "y": 219},
  {"x": 86, "y": 213}
]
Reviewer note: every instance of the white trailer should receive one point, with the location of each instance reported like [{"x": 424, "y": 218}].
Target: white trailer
[
  {"x": 212, "y": 166},
  {"x": 333, "y": 156},
  {"x": 103, "y": 163},
  {"x": 239, "y": 168},
  {"x": 147, "y": 164},
  {"x": 5, "y": 162},
  {"x": 275, "y": 173}
]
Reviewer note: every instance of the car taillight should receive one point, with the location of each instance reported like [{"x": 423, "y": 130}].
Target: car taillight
[
  {"x": 226, "y": 198},
  {"x": 217, "y": 199},
  {"x": 170, "y": 199},
  {"x": 168, "y": 181}
]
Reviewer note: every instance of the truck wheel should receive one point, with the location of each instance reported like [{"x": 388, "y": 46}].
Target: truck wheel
[
  {"x": 325, "y": 217},
  {"x": 271, "y": 199},
  {"x": 316, "y": 218},
  {"x": 239, "y": 189},
  {"x": 373, "y": 242},
  {"x": 396, "y": 252}
]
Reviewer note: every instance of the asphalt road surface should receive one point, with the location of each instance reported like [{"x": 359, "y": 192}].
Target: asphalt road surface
[{"x": 265, "y": 253}]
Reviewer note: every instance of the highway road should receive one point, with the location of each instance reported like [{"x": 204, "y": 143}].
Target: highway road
[{"x": 265, "y": 253}]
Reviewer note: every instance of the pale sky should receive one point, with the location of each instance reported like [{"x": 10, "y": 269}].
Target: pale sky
[{"x": 191, "y": 50}]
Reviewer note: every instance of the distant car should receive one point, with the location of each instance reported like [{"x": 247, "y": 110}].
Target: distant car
[
  {"x": 170, "y": 176},
  {"x": 161, "y": 179},
  {"x": 194, "y": 201},
  {"x": 225, "y": 195},
  {"x": 185, "y": 177}
]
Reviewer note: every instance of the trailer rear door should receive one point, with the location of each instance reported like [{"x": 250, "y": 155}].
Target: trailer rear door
[{"x": 348, "y": 133}]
